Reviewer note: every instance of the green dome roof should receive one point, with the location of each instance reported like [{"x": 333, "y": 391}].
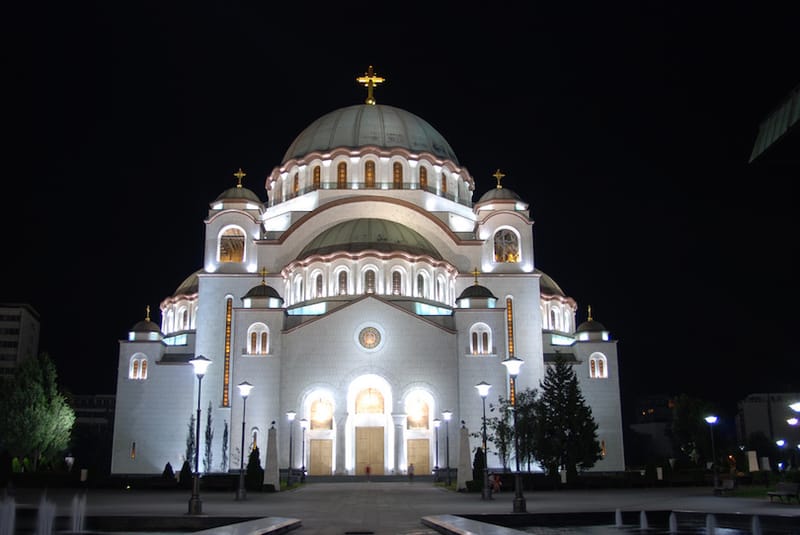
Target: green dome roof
[
  {"x": 476, "y": 291},
  {"x": 363, "y": 124},
  {"x": 369, "y": 234},
  {"x": 238, "y": 193}
]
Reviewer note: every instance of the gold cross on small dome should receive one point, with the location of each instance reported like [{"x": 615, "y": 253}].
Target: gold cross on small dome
[
  {"x": 239, "y": 176},
  {"x": 370, "y": 80},
  {"x": 499, "y": 176}
]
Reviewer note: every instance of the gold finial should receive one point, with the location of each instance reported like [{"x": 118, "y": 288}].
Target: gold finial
[
  {"x": 239, "y": 175},
  {"x": 475, "y": 272},
  {"x": 499, "y": 176},
  {"x": 590, "y": 313},
  {"x": 263, "y": 276},
  {"x": 370, "y": 81},
  {"x": 147, "y": 313}
]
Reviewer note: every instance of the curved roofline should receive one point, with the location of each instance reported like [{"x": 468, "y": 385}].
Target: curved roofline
[
  {"x": 228, "y": 212},
  {"x": 367, "y": 198}
]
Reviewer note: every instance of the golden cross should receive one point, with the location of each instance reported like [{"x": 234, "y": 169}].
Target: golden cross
[
  {"x": 263, "y": 275},
  {"x": 475, "y": 272},
  {"x": 499, "y": 176},
  {"x": 370, "y": 81},
  {"x": 147, "y": 315},
  {"x": 239, "y": 175},
  {"x": 590, "y": 312}
]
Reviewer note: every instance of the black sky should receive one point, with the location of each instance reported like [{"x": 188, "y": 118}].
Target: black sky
[{"x": 628, "y": 128}]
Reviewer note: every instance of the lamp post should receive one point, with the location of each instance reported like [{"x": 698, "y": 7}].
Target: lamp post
[
  {"x": 447, "y": 415},
  {"x": 436, "y": 423},
  {"x": 483, "y": 389},
  {"x": 711, "y": 420},
  {"x": 244, "y": 390},
  {"x": 513, "y": 364},
  {"x": 781, "y": 443},
  {"x": 200, "y": 365},
  {"x": 290, "y": 416},
  {"x": 303, "y": 426},
  {"x": 795, "y": 406}
]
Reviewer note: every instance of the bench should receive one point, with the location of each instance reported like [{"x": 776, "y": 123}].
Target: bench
[
  {"x": 785, "y": 490},
  {"x": 725, "y": 486}
]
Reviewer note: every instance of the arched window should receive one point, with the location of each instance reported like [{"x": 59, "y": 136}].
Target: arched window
[
  {"x": 184, "y": 319},
  {"x": 506, "y": 246},
  {"x": 318, "y": 286},
  {"x": 553, "y": 324},
  {"x": 420, "y": 285},
  {"x": 417, "y": 412},
  {"x": 369, "y": 281},
  {"x": 440, "y": 290},
  {"x": 258, "y": 339},
  {"x": 296, "y": 184},
  {"x": 317, "y": 177},
  {"x": 369, "y": 174},
  {"x": 397, "y": 280},
  {"x": 298, "y": 289},
  {"x": 138, "y": 367},
  {"x": 342, "y": 282},
  {"x": 341, "y": 175},
  {"x": 321, "y": 414},
  {"x": 444, "y": 184},
  {"x": 231, "y": 245},
  {"x": 598, "y": 368},
  {"x": 480, "y": 339},
  {"x": 369, "y": 401},
  {"x": 397, "y": 176},
  {"x": 423, "y": 178}
]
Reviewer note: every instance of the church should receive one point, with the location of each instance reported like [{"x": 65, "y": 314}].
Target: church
[{"x": 362, "y": 296}]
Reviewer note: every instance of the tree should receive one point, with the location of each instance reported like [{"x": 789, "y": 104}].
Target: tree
[
  {"x": 190, "y": 445},
  {"x": 254, "y": 474},
  {"x": 209, "y": 439},
  {"x": 566, "y": 433},
  {"x": 35, "y": 419},
  {"x": 689, "y": 429},
  {"x": 225, "y": 447}
]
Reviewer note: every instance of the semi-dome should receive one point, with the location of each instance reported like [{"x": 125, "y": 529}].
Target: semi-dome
[
  {"x": 359, "y": 235},
  {"x": 262, "y": 291},
  {"x": 476, "y": 291},
  {"x": 499, "y": 194},
  {"x": 189, "y": 286},
  {"x": 547, "y": 286},
  {"x": 364, "y": 124}
]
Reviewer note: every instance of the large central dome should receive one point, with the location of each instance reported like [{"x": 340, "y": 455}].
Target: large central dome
[{"x": 364, "y": 124}]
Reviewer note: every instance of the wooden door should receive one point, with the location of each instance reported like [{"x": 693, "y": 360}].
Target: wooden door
[
  {"x": 419, "y": 454},
  {"x": 320, "y": 457},
  {"x": 369, "y": 450}
]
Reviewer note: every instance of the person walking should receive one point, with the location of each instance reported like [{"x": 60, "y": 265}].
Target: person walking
[{"x": 411, "y": 472}]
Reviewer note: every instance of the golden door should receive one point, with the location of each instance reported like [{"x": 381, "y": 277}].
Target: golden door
[
  {"x": 369, "y": 450},
  {"x": 320, "y": 455},
  {"x": 419, "y": 455}
]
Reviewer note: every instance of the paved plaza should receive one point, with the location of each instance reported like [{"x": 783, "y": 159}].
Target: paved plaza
[{"x": 363, "y": 507}]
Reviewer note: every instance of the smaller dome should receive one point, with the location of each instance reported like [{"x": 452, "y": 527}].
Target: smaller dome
[
  {"x": 238, "y": 193},
  {"x": 476, "y": 291},
  {"x": 590, "y": 326},
  {"x": 146, "y": 326},
  {"x": 263, "y": 291},
  {"x": 499, "y": 194}
]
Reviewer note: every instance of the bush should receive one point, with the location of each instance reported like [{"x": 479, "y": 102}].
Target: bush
[
  {"x": 254, "y": 476},
  {"x": 168, "y": 472},
  {"x": 185, "y": 481}
]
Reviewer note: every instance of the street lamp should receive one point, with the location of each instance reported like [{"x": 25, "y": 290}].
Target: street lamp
[
  {"x": 795, "y": 406},
  {"x": 290, "y": 416},
  {"x": 483, "y": 389},
  {"x": 200, "y": 365},
  {"x": 436, "y": 423},
  {"x": 513, "y": 364},
  {"x": 244, "y": 390},
  {"x": 711, "y": 420},
  {"x": 303, "y": 426},
  {"x": 447, "y": 415}
]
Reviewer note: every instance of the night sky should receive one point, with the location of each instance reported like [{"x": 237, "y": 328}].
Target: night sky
[{"x": 627, "y": 127}]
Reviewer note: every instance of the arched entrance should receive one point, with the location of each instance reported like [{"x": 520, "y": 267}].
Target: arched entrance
[{"x": 369, "y": 428}]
